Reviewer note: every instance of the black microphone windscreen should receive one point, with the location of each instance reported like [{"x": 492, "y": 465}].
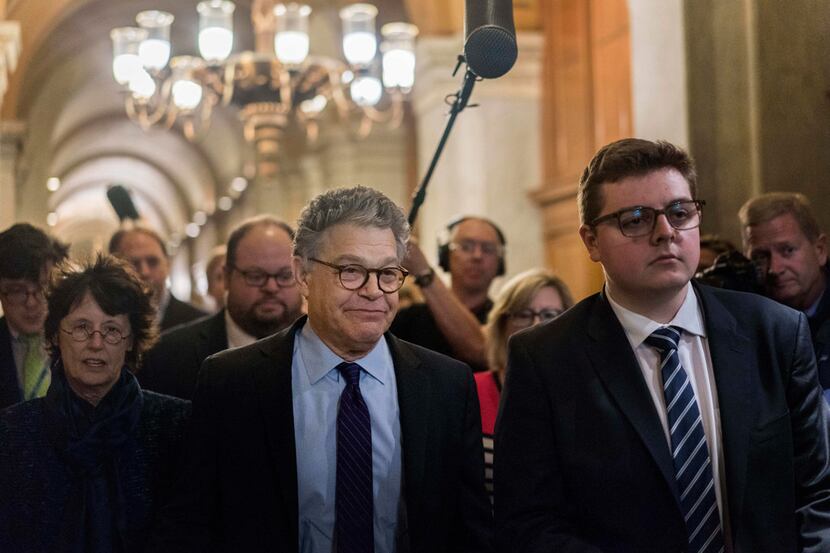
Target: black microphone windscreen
[
  {"x": 121, "y": 202},
  {"x": 490, "y": 45}
]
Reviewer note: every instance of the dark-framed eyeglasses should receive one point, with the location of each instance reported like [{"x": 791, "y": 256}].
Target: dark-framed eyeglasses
[
  {"x": 83, "y": 332},
  {"x": 527, "y": 317},
  {"x": 258, "y": 278},
  {"x": 354, "y": 277},
  {"x": 468, "y": 247},
  {"x": 641, "y": 220},
  {"x": 19, "y": 295}
]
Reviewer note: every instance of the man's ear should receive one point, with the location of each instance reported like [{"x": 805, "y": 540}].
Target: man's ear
[
  {"x": 821, "y": 248},
  {"x": 300, "y": 275},
  {"x": 589, "y": 238}
]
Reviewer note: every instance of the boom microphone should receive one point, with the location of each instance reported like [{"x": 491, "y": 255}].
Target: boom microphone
[
  {"x": 490, "y": 45},
  {"x": 121, "y": 202}
]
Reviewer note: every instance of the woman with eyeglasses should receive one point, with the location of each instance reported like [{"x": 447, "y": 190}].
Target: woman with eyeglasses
[
  {"x": 85, "y": 468},
  {"x": 528, "y": 298}
]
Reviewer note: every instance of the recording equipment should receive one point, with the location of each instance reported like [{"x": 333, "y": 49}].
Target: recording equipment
[
  {"x": 122, "y": 203},
  {"x": 733, "y": 271},
  {"x": 444, "y": 243},
  {"x": 490, "y": 37}
]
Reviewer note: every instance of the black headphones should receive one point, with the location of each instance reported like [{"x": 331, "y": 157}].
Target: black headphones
[{"x": 444, "y": 243}]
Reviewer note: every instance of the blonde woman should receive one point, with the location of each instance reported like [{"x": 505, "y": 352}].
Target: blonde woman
[{"x": 527, "y": 299}]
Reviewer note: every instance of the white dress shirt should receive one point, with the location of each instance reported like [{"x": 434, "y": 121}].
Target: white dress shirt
[{"x": 693, "y": 350}]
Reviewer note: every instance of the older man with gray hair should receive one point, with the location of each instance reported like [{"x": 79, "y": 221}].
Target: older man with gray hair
[{"x": 333, "y": 435}]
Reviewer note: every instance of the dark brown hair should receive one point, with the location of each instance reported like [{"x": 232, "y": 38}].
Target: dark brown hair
[
  {"x": 768, "y": 206},
  {"x": 629, "y": 157},
  {"x": 117, "y": 289},
  {"x": 25, "y": 250}
]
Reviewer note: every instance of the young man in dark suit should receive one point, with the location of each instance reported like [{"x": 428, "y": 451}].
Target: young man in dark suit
[
  {"x": 262, "y": 298},
  {"x": 333, "y": 434},
  {"x": 659, "y": 415},
  {"x": 27, "y": 255}
]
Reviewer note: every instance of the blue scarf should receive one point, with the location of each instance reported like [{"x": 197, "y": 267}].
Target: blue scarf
[{"x": 90, "y": 440}]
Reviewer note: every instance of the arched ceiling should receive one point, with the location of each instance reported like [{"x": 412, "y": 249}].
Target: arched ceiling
[{"x": 78, "y": 130}]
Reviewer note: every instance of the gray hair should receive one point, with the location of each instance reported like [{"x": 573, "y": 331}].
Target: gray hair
[{"x": 359, "y": 206}]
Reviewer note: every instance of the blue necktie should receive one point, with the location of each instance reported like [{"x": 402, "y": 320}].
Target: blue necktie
[
  {"x": 353, "y": 506},
  {"x": 692, "y": 464}
]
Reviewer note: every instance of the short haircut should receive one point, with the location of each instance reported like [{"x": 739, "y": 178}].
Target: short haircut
[
  {"x": 768, "y": 206},
  {"x": 116, "y": 239},
  {"x": 515, "y": 295},
  {"x": 238, "y": 233},
  {"x": 359, "y": 206},
  {"x": 629, "y": 157},
  {"x": 456, "y": 221},
  {"x": 117, "y": 289},
  {"x": 25, "y": 250}
]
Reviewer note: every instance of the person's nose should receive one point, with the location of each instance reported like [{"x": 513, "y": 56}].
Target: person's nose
[
  {"x": 270, "y": 284},
  {"x": 662, "y": 229},
  {"x": 371, "y": 290},
  {"x": 776, "y": 264},
  {"x": 96, "y": 340}
]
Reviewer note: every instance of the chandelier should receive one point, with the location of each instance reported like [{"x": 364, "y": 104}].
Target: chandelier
[{"x": 278, "y": 86}]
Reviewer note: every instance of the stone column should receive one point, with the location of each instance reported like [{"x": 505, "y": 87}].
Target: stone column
[
  {"x": 11, "y": 139},
  {"x": 491, "y": 162}
]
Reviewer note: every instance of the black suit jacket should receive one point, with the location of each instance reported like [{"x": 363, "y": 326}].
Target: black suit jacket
[
  {"x": 179, "y": 312},
  {"x": 239, "y": 487},
  {"x": 9, "y": 382},
  {"x": 582, "y": 463},
  {"x": 172, "y": 365}
]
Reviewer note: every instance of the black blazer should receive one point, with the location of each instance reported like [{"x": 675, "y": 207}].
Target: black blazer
[
  {"x": 9, "y": 382},
  {"x": 239, "y": 487},
  {"x": 172, "y": 365},
  {"x": 179, "y": 312},
  {"x": 581, "y": 460}
]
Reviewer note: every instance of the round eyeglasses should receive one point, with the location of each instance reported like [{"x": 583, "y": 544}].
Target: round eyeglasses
[
  {"x": 641, "y": 220},
  {"x": 354, "y": 277},
  {"x": 82, "y": 333}
]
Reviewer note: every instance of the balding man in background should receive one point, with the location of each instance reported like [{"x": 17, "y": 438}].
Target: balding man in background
[
  {"x": 144, "y": 249},
  {"x": 262, "y": 298}
]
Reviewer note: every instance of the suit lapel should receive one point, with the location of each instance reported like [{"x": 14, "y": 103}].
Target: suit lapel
[
  {"x": 9, "y": 384},
  {"x": 213, "y": 336},
  {"x": 272, "y": 381},
  {"x": 728, "y": 349},
  {"x": 615, "y": 363},
  {"x": 414, "y": 404}
]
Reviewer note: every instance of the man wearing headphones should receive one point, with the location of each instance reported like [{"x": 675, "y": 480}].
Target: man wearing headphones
[{"x": 450, "y": 320}]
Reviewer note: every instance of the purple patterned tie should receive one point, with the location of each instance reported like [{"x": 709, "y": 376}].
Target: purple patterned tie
[{"x": 353, "y": 506}]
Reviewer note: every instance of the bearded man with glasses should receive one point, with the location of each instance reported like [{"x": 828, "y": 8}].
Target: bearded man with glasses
[
  {"x": 660, "y": 415},
  {"x": 333, "y": 435},
  {"x": 261, "y": 298},
  {"x": 27, "y": 256}
]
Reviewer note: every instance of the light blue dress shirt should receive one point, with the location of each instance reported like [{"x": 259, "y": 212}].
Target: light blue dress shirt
[{"x": 316, "y": 386}]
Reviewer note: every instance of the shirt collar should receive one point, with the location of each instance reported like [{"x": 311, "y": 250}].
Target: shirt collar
[
  {"x": 321, "y": 361},
  {"x": 236, "y": 336},
  {"x": 164, "y": 301},
  {"x": 638, "y": 327}
]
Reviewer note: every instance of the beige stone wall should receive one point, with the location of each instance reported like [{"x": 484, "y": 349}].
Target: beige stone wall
[{"x": 759, "y": 113}]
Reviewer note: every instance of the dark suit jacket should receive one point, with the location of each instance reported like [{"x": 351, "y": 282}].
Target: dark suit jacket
[
  {"x": 9, "y": 382},
  {"x": 179, "y": 312},
  {"x": 239, "y": 486},
  {"x": 172, "y": 365},
  {"x": 582, "y": 463},
  {"x": 37, "y": 483}
]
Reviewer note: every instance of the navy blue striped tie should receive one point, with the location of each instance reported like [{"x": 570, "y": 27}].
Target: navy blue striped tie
[
  {"x": 692, "y": 464},
  {"x": 353, "y": 505}
]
